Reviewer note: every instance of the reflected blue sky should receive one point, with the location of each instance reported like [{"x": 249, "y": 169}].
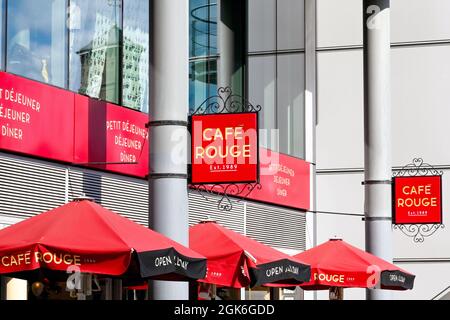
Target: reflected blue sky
[
  {"x": 203, "y": 27},
  {"x": 35, "y": 49}
]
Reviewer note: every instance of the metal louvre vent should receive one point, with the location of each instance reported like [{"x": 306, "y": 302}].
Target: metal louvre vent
[
  {"x": 29, "y": 187},
  {"x": 124, "y": 195},
  {"x": 276, "y": 227},
  {"x": 201, "y": 209}
]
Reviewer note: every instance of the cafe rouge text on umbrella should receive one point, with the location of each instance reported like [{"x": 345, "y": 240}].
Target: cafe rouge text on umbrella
[
  {"x": 336, "y": 263},
  {"x": 86, "y": 237},
  {"x": 236, "y": 261}
]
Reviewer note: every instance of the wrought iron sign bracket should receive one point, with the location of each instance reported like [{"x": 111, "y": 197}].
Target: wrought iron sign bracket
[
  {"x": 418, "y": 232},
  {"x": 227, "y": 194},
  {"x": 225, "y": 102}
]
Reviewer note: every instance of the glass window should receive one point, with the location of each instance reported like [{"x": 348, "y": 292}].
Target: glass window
[
  {"x": 203, "y": 51},
  {"x": 36, "y": 40},
  {"x": 262, "y": 91},
  {"x": 94, "y": 45},
  {"x": 2, "y": 36},
  {"x": 291, "y": 107},
  {"x": 135, "y": 69},
  {"x": 216, "y": 48},
  {"x": 203, "y": 27}
]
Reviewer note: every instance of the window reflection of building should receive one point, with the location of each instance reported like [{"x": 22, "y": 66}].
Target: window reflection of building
[
  {"x": 108, "y": 61},
  {"x": 135, "y": 58},
  {"x": 2, "y": 43},
  {"x": 135, "y": 68},
  {"x": 95, "y": 49},
  {"x": 99, "y": 75},
  {"x": 36, "y": 41}
]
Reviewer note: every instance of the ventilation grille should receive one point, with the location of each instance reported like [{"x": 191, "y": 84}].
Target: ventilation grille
[
  {"x": 29, "y": 187},
  {"x": 276, "y": 227},
  {"x": 201, "y": 209},
  {"x": 123, "y": 195}
]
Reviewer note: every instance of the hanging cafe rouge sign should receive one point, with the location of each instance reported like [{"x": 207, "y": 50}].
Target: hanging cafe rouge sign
[
  {"x": 224, "y": 148},
  {"x": 417, "y": 200}
]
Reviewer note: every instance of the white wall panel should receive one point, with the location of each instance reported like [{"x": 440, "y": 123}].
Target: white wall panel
[
  {"x": 418, "y": 20},
  {"x": 340, "y": 139},
  {"x": 431, "y": 279},
  {"x": 420, "y": 104},
  {"x": 339, "y": 23}
]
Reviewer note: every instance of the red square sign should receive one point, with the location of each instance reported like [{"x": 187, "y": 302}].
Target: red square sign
[
  {"x": 224, "y": 148},
  {"x": 417, "y": 200}
]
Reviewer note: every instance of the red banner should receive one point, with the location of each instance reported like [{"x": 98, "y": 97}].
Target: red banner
[
  {"x": 224, "y": 148},
  {"x": 284, "y": 180},
  {"x": 110, "y": 137},
  {"x": 35, "y": 119},
  {"x": 417, "y": 200}
]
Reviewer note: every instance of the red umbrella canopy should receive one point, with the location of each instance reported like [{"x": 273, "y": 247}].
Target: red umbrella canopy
[
  {"x": 338, "y": 264},
  {"x": 86, "y": 237},
  {"x": 234, "y": 260}
]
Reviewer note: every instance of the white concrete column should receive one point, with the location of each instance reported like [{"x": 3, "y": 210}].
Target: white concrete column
[
  {"x": 169, "y": 92},
  {"x": 377, "y": 133},
  {"x": 310, "y": 125}
]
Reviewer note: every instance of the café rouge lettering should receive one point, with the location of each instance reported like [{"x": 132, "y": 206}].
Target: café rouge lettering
[
  {"x": 29, "y": 257},
  {"x": 333, "y": 278},
  {"x": 417, "y": 196},
  {"x": 217, "y": 150}
]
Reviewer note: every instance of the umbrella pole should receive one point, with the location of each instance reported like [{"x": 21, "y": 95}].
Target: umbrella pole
[
  {"x": 213, "y": 292},
  {"x": 336, "y": 293},
  {"x": 193, "y": 290}
]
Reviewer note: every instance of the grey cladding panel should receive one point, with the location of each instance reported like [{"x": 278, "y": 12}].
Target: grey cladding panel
[
  {"x": 276, "y": 227},
  {"x": 201, "y": 209},
  {"x": 124, "y": 195},
  {"x": 29, "y": 187}
]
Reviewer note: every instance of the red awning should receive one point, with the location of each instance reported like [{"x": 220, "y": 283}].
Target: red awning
[
  {"x": 83, "y": 236},
  {"x": 234, "y": 260},
  {"x": 338, "y": 264}
]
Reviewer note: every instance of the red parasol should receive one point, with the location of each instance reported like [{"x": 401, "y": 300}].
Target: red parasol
[
  {"x": 237, "y": 261},
  {"x": 338, "y": 264},
  {"x": 83, "y": 236}
]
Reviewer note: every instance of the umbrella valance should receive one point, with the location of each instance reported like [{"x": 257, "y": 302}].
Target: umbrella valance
[
  {"x": 238, "y": 261},
  {"x": 83, "y": 236},
  {"x": 338, "y": 264}
]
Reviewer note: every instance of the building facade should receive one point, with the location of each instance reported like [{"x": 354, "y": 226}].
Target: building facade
[
  {"x": 301, "y": 60},
  {"x": 74, "y": 77},
  {"x": 420, "y": 71}
]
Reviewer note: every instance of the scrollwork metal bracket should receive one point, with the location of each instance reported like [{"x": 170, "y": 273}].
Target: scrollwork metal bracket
[
  {"x": 225, "y": 102},
  {"x": 225, "y": 195},
  {"x": 415, "y": 169},
  {"x": 418, "y": 231}
]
